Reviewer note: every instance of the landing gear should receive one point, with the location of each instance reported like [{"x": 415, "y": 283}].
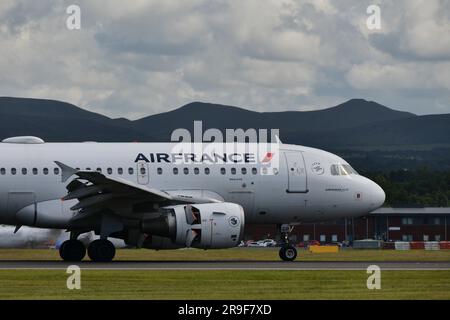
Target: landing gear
[
  {"x": 72, "y": 250},
  {"x": 101, "y": 250},
  {"x": 287, "y": 251}
]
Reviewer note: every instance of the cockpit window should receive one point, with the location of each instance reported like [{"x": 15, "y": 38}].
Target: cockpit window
[
  {"x": 334, "y": 170},
  {"x": 349, "y": 169},
  {"x": 342, "y": 170}
]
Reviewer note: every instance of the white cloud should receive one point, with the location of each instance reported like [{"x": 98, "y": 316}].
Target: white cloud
[
  {"x": 386, "y": 77},
  {"x": 147, "y": 56},
  {"x": 442, "y": 75},
  {"x": 415, "y": 29},
  {"x": 420, "y": 76}
]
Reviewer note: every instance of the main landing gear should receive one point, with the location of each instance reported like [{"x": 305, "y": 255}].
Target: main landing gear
[
  {"x": 101, "y": 250},
  {"x": 288, "y": 252},
  {"x": 72, "y": 250}
]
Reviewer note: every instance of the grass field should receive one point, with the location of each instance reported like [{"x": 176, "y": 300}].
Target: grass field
[
  {"x": 187, "y": 285},
  {"x": 254, "y": 254},
  {"x": 227, "y": 284}
]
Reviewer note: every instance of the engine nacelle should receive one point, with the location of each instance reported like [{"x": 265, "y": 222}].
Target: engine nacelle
[{"x": 208, "y": 225}]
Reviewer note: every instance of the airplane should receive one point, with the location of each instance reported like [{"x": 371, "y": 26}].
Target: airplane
[{"x": 162, "y": 196}]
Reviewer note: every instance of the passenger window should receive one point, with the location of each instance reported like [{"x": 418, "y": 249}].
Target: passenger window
[
  {"x": 196, "y": 170},
  {"x": 175, "y": 170},
  {"x": 254, "y": 171},
  {"x": 13, "y": 171},
  {"x": 24, "y": 171},
  {"x": 244, "y": 170},
  {"x": 99, "y": 170},
  {"x": 88, "y": 169},
  {"x": 206, "y": 171},
  {"x": 2, "y": 171},
  {"x": 56, "y": 170},
  {"x": 109, "y": 170},
  {"x": 186, "y": 171},
  {"x": 130, "y": 170},
  {"x": 159, "y": 170},
  {"x": 233, "y": 170},
  {"x": 222, "y": 170},
  {"x": 120, "y": 171},
  {"x": 35, "y": 171},
  {"x": 45, "y": 171},
  {"x": 143, "y": 171}
]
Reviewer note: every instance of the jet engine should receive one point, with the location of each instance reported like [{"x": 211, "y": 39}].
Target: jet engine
[{"x": 208, "y": 225}]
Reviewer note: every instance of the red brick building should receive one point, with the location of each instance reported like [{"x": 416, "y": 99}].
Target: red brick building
[{"x": 389, "y": 224}]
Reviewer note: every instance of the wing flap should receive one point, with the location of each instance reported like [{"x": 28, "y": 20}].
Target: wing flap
[
  {"x": 92, "y": 201},
  {"x": 84, "y": 191}
]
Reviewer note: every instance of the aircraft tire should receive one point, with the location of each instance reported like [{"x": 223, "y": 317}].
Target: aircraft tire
[
  {"x": 101, "y": 250},
  {"x": 288, "y": 253},
  {"x": 72, "y": 250}
]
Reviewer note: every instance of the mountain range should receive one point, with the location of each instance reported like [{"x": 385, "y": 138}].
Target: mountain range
[
  {"x": 355, "y": 123},
  {"x": 355, "y": 128}
]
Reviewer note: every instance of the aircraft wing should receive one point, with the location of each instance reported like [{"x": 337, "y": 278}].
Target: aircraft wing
[{"x": 96, "y": 192}]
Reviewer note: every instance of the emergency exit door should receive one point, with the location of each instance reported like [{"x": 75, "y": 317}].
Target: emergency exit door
[
  {"x": 142, "y": 173},
  {"x": 297, "y": 177}
]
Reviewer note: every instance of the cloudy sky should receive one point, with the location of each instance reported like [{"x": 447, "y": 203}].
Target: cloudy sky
[{"x": 135, "y": 58}]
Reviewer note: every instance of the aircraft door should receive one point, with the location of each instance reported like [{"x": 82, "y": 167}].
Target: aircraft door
[
  {"x": 297, "y": 178},
  {"x": 143, "y": 176}
]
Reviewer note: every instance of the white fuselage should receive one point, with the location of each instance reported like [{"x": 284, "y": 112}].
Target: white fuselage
[{"x": 301, "y": 188}]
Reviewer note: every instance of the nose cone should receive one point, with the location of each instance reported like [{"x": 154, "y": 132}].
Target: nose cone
[{"x": 377, "y": 196}]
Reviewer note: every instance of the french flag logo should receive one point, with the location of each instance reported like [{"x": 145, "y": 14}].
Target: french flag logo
[{"x": 268, "y": 157}]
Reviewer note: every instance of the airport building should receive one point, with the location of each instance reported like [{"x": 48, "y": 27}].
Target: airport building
[{"x": 388, "y": 224}]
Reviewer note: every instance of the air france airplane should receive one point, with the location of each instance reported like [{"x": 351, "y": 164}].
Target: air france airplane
[{"x": 152, "y": 195}]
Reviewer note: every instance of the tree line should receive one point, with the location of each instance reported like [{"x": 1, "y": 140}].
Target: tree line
[{"x": 419, "y": 187}]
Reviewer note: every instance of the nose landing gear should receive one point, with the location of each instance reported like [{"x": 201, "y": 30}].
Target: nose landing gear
[{"x": 288, "y": 252}]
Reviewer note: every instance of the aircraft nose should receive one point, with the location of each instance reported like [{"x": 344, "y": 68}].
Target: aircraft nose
[{"x": 377, "y": 196}]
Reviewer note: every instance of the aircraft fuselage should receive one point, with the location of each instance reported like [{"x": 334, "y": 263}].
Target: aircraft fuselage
[{"x": 301, "y": 187}]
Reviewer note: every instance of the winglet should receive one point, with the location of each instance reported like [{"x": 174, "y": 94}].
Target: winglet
[{"x": 67, "y": 171}]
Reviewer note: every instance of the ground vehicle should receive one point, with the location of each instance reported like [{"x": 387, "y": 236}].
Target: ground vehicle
[{"x": 267, "y": 243}]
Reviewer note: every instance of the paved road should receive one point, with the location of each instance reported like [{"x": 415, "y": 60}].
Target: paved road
[{"x": 225, "y": 265}]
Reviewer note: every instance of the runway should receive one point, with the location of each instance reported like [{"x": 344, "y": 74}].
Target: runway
[{"x": 223, "y": 265}]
